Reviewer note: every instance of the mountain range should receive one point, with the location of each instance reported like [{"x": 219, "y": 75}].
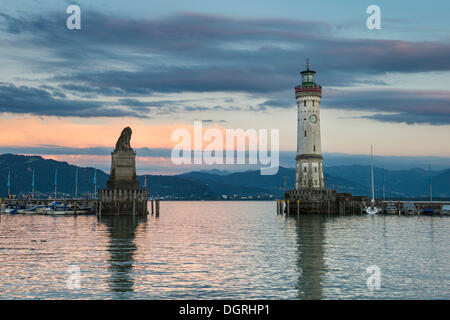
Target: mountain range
[{"x": 216, "y": 184}]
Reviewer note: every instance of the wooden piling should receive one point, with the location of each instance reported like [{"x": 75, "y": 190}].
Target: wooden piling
[
  {"x": 288, "y": 207},
  {"x": 298, "y": 208},
  {"x": 157, "y": 208}
]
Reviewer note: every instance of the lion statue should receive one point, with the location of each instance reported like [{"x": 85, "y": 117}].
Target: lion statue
[{"x": 123, "y": 144}]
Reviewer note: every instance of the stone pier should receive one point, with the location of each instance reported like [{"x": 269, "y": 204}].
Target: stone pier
[{"x": 322, "y": 201}]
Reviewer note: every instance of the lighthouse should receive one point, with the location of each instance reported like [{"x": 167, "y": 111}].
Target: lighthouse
[
  {"x": 309, "y": 195},
  {"x": 309, "y": 169}
]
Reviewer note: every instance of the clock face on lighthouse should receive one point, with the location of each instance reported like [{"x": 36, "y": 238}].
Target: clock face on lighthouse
[{"x": 313, "y": 118}]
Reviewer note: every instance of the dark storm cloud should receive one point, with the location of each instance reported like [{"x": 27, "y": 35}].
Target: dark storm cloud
[
  {"x": 28, "y": 100},
  {"x": 412, "y": 118},
  {"x": 197, "y": 52},
  {"x": 402, "y": 106},
  {"x": 190, "y": 52},
  {"x": 91, "y": 91}
]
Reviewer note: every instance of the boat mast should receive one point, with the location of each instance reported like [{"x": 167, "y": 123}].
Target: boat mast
[
  {"x": 431, "y": 182},
  {"x": 8, "y": 183},
  {"x": 56, "y": 175},
  {"x": 95, "y": 183},
  {"x": 32, "y": 186},
  {"x": 76, "y": 183},
  {"x": 371, "y": 166}
]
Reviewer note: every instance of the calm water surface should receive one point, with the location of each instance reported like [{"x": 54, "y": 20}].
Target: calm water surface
[{"x": 224, "y": 250}]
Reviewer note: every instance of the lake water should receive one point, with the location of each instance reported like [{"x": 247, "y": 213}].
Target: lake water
[{"x": 224, "y": 250}]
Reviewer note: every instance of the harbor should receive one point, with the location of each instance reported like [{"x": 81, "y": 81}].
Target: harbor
[
  {"x": 49, "y": 206},
  {"x": 123, "y": 194},
  {"x": 352, "y": 205},
  {"x": 209, "y": 153},
  {"x": 67, "y": 207}
]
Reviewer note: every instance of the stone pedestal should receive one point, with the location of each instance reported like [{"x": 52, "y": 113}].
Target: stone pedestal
[{"x": 123, "y": 171}]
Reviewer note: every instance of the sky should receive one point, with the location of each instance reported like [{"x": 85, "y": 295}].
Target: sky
[{"x": 158, "y": 66}]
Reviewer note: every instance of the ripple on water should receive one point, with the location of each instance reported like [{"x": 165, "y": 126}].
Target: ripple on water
[{"x": 224, "y": 250}]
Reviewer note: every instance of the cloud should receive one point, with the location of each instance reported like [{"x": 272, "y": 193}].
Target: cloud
[
  {"x": 394, "y": 105},
  {"x": 404, "y": 117},
  {"x": 29, "y": 100},
  {"x": 190, "y": 52}
]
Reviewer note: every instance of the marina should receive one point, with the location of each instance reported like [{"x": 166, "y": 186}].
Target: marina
[
  {"x": 350, "y": 206},
  {"x": 68, "y": 207},
  {"x": 49, "y": 206}
]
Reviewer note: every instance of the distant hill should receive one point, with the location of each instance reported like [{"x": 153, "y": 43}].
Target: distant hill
[
  {"x": 22, "y": 167},
  {"x": 217, "y": 184},
  {"x": 397, "y": 183}
]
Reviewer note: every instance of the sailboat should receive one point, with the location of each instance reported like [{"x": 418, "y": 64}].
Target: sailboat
[{"x": 372, "y": 209}]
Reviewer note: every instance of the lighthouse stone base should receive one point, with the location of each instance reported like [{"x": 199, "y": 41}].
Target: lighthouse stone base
[{"x": 322, "y": 201}]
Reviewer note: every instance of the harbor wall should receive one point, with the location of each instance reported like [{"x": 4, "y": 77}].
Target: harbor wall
[
  {"x": 120, "y": 202},
  {"x": 322, "y": 201}
]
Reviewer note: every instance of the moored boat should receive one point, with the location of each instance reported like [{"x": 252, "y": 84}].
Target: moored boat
[
  {"x": 391, "y": 209},
  {"x": 409, "y": 209},
  {"x": 445, "y": 210},
  {"x": 428, "y": 212},
  {"x": 372, "y": 209}
]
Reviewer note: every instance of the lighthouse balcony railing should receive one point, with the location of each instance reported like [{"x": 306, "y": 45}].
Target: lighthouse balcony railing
[{"x": 314, "y": 88}]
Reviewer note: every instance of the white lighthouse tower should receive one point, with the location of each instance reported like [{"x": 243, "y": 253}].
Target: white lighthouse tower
[{"x": 309, "y": 170}]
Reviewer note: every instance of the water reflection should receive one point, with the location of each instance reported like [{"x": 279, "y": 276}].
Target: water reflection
[
  {"x": 121, "y": 231},
  {"x": 310, "y": 259}
]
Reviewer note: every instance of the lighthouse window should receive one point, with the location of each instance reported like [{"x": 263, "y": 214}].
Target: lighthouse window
[
  {"x": 313, "y": 103},
  {"x": 304, "y": 103},
  {"x": 314, "y": 147},
  {"x": 305, "y": 133}
]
